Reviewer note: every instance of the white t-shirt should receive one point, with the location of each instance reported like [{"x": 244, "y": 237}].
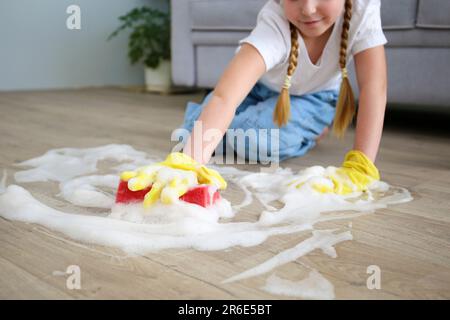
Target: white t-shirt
[{"x": 272, "y": 38}]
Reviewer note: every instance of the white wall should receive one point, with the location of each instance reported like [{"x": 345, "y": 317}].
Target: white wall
[{"x": 37, "y": 51}]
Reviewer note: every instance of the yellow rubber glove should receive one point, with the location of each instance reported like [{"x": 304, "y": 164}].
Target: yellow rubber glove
[
  {"x": 356, "y": 173},
  {"x": 167, "y": 184},
  {"x": 205, "y": 175}
]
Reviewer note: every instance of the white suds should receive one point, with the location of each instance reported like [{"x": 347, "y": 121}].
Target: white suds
[
  {"x": 321, "y": 239},
  {"x": 183, "y": 225},
  {"x": 67, "y": 163},
  {"x": 3, "y": 182},
  {"x": 82, "y": 191},
  {"x": 315, "y": 286}
]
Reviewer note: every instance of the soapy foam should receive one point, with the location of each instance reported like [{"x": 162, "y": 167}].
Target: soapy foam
[
  {"x": 66, "y": 163},
  {"x": 315, "y": 286},
  {"x": 186, "y": 225},
  {"x": 321, "y": 239},
  {"x": 3, "y": 182},
  {"x": 82, "y": 191},
  {"x": 181, "y": 224}
]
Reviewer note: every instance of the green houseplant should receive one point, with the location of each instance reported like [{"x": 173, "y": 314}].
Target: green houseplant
[{"x": 149, "y": 42}]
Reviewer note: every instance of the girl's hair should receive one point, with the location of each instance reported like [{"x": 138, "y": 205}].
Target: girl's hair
[{"x": 345, "y": 107}]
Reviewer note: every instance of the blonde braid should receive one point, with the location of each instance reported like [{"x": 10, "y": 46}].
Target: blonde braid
[
  {"x": 345, "y": 107},
  {"x": 282, "y": 110}
]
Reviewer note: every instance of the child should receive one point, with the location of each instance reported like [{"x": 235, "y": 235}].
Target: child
[{"x": 287, "y": 73}]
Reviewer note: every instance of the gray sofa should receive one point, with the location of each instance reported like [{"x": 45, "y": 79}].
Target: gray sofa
[{"x": 205, "y": 34}]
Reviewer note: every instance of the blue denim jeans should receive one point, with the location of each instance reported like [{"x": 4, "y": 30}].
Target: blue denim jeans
[{"x": 310, "y": 114}]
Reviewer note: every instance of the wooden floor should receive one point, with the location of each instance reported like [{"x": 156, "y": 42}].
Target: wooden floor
[{"x": 409, "y": 242}]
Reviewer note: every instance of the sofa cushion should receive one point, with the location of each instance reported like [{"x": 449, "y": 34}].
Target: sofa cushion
[
  {"x": 416, "y": 76},
  {"x": 434, "y": 14},
  {"x": 398, "y": 14},
  {"x": 418, "y": 37},
  {"x": 229, "y": 15}
]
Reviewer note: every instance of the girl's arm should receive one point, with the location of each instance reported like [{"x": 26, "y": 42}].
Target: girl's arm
[
  {"x": 370, "y": 68},
  {"x": 238, "y": 79}
]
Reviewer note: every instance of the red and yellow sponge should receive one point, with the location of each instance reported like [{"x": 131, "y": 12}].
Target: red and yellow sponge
[{"x": 179, "y": 177}]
